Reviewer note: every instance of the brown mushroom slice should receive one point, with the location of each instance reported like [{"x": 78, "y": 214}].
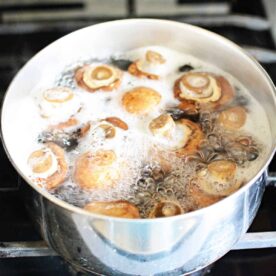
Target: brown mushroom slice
[
  {"x": 163, "y": 125},
  {"x": 97, "y": 170},
  {"x": 120, "y": 208},
  {"x": 140, "y": 100},
  {"x": 197, "y": 86},
  {"x": 148, "y": 66},
  {"x": 194, "y": 137},
  {"x": 98, "y": 77},
  {"x": 232, "y": 118},
  {"x": 201, "y": 198},
  {"x": 50, "y": 164},
  {"x": 166, "y": 208},
  {"x": 117, "y": 122}
]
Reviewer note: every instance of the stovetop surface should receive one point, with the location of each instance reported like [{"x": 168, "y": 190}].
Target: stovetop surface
[{"x": 16, "y": 48}]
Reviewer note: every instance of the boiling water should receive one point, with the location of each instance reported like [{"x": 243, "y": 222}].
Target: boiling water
[{"x": 143, "y": 181}]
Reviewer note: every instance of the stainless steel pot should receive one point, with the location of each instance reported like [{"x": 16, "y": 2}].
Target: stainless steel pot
[{"x": 165, "y": 246}]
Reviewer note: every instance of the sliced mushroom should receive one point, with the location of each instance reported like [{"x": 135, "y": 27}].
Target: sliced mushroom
[
  {"x": 232, "y": 118},
  {"x": 117, "y": 122},
  {"x": 49, "y": 164},
  {"x": 97, "y": 170},
  {"x": 120, "y": 208},
  {"x": 151, "y": 66},
  {"x": 140, "y": 100},
  {"x": 166, "y": 208},
  {"x": 98, "y": 77}
]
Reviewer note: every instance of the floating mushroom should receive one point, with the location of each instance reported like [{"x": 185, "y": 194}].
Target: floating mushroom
[
  {"x": 97, "y": 170},
  {"x": 58, "y": 104},
  {"x": 197, "y": 86},
  {"x": 98, "y": 77},
  {"x": 219, "y": 178},
  {"x": 151, "y": 66},
  {"x": 166, "y": 208},
  {"x": 120, "y": 208},
  {"x": 49, "y": 165},
  {"x": 140, "y": 100},
  {"x": 163, "y": 126},
  {"x": 232, "y": 118},
  {"x": 209, "y": 90}
]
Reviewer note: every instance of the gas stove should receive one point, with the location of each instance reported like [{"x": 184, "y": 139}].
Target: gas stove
[{"x": 28, "y": 26}]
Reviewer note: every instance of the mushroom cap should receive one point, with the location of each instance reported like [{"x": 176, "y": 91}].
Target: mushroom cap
[
  {"x": 232, "y": 118},
  {"x": 96, "y": 170},
  {"x": 140, "y": 100}
]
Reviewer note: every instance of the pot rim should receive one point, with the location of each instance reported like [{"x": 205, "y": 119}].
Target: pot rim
[{"x": 80, "y": 211}]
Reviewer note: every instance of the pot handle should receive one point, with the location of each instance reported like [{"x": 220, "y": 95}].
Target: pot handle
[
  {"x": 259, "y": 239},
  {"x": 271, "y": 179}
]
